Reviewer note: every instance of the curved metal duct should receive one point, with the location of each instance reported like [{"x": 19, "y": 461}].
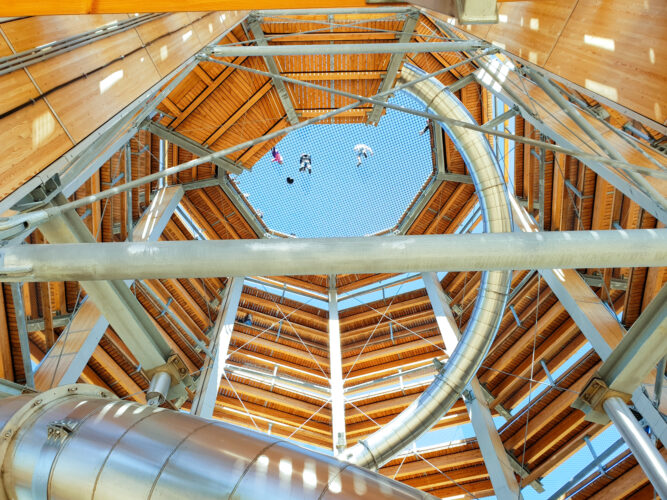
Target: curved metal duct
[
  {"x": 464, "y": 362},
  {"x": 79, "y": 442}
]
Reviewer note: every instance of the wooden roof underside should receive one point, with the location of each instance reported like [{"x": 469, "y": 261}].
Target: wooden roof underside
[{"x": 218, "y": 108}]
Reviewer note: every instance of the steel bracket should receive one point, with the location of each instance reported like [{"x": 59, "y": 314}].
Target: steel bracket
[
  {"x": 180, "y": 379},
  {"x": 593, "y": 396}
]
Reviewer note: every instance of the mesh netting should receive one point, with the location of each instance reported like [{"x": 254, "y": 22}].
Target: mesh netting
[{"x": 340, "y": 198}]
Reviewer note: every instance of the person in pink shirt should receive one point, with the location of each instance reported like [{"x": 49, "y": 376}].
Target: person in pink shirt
[{"x": 276, "y": 156}]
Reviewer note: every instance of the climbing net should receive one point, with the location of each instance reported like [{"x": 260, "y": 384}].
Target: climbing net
[{"x": 347, "y": 193}]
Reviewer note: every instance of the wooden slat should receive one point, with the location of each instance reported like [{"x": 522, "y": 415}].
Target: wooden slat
[
  {"x": 104, "y": 93},
  {"x": 30, "y": 139},
  {"x": 6, "y": 365}
]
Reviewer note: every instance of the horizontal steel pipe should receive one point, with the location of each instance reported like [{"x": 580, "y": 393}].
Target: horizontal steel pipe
[
  {"x": 345, "y": 48},
  {"x": 79, "y": 442},
  {"x": 396, "y": 254}
]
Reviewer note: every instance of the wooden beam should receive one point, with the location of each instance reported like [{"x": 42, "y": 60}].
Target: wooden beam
[
  {"x": 6, "y": 364},
  {"x": 414, "y": 466},
  {"x": 280, "y": 124},
  {"x": 288, "y": 403},
  {"x": 224, "y": 74},
  {"x": 227, "y": 124},
  {"x": 553, "y": 409},
  {"x": 623, "y": 486}
]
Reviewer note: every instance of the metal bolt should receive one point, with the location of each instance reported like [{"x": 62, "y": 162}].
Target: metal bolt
[
  {"x": 37, "y": 402},
  {"x": 8, "y": 434},
  {"x": 72, "y": 389}
]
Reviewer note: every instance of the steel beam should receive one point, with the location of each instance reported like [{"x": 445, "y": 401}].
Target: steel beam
[
  {"x": 345, "y": 48},
  {"x": 212, "y": 372},
  {"x": 65, "y": 361},
  {"x": 394, "y": 65},
  {"x": 595, "y": 136},
  {"x": 9, "y": 389},
  {"x": 190, "y": 145},
  {"x": 598, "y": 324},
  {"x": 494, "y": 454},
  {"x": 461, "y": 82},
  {"x": 336, "y": 372},
  {"x": 630, "y": 181},
  {"x": 502, "y": 118},
  {"x": 602, "y": 160},
  {"x": 641, "y": 349},
  {"x": 273, "y": 257},
  {"x": 253, "y": 24},
  {"x": 37, "y": 325},
  {"x": 334, "y": 11},
  {"x": 21, "y": 326},
  {"x": 583, "y": 473}
]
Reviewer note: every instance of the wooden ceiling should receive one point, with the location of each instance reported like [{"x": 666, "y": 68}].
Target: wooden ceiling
[{"x": 287, "y": 344}]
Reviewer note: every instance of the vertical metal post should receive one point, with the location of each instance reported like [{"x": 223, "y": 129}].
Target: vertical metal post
[
  {"x": 209, "y": 380},
  {"x": 162, "y": 161},
  {"x": 24, "y": 341},
  {"x": 128, "y": 195},
  {"x": 493, "y": 452},
  {"x": 336, "y": 372},
  {"x": 659, "y": 382},
  {"x": 647, "y": 455}
]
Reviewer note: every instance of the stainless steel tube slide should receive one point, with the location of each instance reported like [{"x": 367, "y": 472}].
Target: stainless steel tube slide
[
  {"x": 452, "y": 379},
  {"x": 79, "y": 442}
]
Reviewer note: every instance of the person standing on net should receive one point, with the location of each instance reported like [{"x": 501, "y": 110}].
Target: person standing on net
[{"x": 305, "y": 163}]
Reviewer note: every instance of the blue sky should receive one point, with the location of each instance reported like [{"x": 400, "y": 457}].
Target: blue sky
[{"x": 339, "y": 198}]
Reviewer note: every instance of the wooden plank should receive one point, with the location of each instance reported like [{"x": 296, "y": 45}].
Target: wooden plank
[
  {"x": 63, "y": 68},
  {"x": 31, "y": 32},
  {"x": 530, "y": 29},
  {"x": 126, "y": 382},
  {"x": 6, "y": 365},
  {"x": 314, "y": 76},
  {"x": 162, "y": 26},
  {"x": 247, "y": 156},
  {"x": 30, "y": 139},
  {"x": 86, "y": 104},
  {"x": 45, "y": 298},
  {"x": 171, "y": 50},
  {"x": 563, "y": 401},
  {"x": 164, "y": 295},
  {"x": 624, "y": 485},
  {"x": 201, "y": 97},
  {"x": 15, "y": 89},
  {"x": 209, "y": 26},
  {"x": 414, "y": 467},
  {"x": 238, "y": 113},
  {"x": 53, "y": 7},
  {"x": 602, "y": 49},
  {"x": 289, "y": 403}
]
